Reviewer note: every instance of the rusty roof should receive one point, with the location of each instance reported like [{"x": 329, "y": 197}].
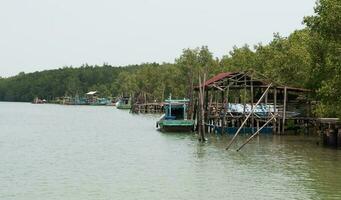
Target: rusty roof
[
  {"x": 218, "y": 77},
  {"x": 261, "y": 83}
]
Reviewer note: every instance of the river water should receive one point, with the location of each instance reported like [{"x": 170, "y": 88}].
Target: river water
[{"x": 85, "y": 152}]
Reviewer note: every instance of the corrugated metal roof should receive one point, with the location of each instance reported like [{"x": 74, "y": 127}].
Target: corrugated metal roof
[
  {"x": 256, "y": 83},
  {"x": 218, "y": 77}
]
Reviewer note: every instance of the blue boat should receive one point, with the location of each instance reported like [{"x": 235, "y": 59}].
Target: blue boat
[
  {"x": 175, "y": 117},
  {"x": 244, "y": 130},
  {"x": 124, "y": 103}
]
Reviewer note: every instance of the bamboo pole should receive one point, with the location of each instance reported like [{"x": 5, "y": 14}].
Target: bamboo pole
[
  {"x": 256, "y": 133},
  {"x": 205, "y": 99},
  {"x": 266, "y": 106},
  {"x": 210, "y": 103},
  {"x": 225, "y": 106},
  {"x": 241, "y": 126},
  {"x": 275, "y": 111},
  {"x": 199, "y": 109},
  {"x": 244, "y": 99},
  {"x": 203, "y": 110},
  {"x": 284, "y": 108},
  {"x": 222, "y": 109},
  {"x": 252, "y": 116}
]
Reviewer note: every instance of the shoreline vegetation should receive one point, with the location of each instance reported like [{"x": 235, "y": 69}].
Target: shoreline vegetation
[{"x": 308, "y": 58}]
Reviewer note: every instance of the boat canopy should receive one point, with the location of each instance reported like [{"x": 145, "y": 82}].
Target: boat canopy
[{"x": 91, "y": 93}]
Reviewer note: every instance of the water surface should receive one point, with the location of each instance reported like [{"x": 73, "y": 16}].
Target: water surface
[{"x": 89, "y": 152}]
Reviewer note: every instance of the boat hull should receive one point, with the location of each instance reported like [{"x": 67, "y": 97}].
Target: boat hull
[
  {"x": 175, "y": 125},
  {"x": 244, "y": 130},
  {"x": 123, "y": 106}
]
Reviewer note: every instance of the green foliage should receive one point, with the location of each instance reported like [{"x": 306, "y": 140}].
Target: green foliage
[
  {"x": 325, "y": 27},
  {"x": 239, "y": 59},
  {"x": 308, "y": 58}
]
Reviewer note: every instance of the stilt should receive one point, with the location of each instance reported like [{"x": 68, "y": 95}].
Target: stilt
[
  {"x": 252, "y": 116},
  {"x": 275, "y": 109},
  {"x": 284, "y": 108}
]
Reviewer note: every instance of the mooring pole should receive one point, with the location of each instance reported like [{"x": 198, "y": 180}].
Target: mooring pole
[
  {"x": 244, "y": 99},
  {"x": 241, "y": 126},
  {"x": 284, "y": 108},
  {"x": 275, "y": 109},
  {"x": 203, "y": 110},
  {"x": 199, "y": 110},
  {"x": 252, "y": 116},
  {"x": 222, "y": 112}
]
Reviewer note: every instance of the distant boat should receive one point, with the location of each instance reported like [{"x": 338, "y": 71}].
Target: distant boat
[
  {"x": 175, "y": 117},
  {"x": 124, "y": 103},
  {"x": 39, "y": 101}
]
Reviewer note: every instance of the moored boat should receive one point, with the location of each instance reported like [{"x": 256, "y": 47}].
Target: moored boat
[
  {"x": 175, "y": 117},
  {"x": 124, "y": 103}
]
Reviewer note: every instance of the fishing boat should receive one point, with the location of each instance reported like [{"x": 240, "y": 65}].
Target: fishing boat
[
  {"x": 124, "y": 103},
  {"x": 175, "y": 117}
]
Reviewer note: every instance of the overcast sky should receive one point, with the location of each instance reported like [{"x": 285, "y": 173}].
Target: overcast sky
[{"x": 46, "y": 34}]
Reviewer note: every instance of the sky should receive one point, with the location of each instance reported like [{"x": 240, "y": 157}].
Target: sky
[{"x": 46, "y": 34}]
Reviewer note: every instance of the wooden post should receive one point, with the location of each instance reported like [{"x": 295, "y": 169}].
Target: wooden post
[
  {"x": 244, "y": 100},
  {"x": 284, "y": 108},
  {"x": 210, "y": 104},
  {"x": 195, "y": 109},
  {"x": 202, "y": 111},
  {"x": 275, "y": 110},
  {"x": 199, "y": 109},
  {"x": 339, "y": 137},
  {"x": 252, "y": 116},
  {"x": 222, "y": 109},
  {"x": 145, "y": 97},
  {"x": 206, "y": 98},
  {"x": 205, "y": 93},
  {"x": 196, "y": 115}
]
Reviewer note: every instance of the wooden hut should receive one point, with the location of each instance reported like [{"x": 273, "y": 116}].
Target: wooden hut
[{"x": 248, "y": 101}]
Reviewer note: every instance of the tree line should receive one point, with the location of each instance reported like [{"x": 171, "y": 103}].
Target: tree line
[{"x": 309, "y": 58}]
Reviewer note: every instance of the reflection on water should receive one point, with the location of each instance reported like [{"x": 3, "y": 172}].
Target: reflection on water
[{"x": 84, "y": 152}]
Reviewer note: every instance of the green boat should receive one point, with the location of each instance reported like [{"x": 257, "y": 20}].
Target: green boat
[
  {"x": 124, "y": 103},
  {"x": 175, "y": 117}
]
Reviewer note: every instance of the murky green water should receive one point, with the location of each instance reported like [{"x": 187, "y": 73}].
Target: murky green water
[{"x": 83, "y": 152}]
